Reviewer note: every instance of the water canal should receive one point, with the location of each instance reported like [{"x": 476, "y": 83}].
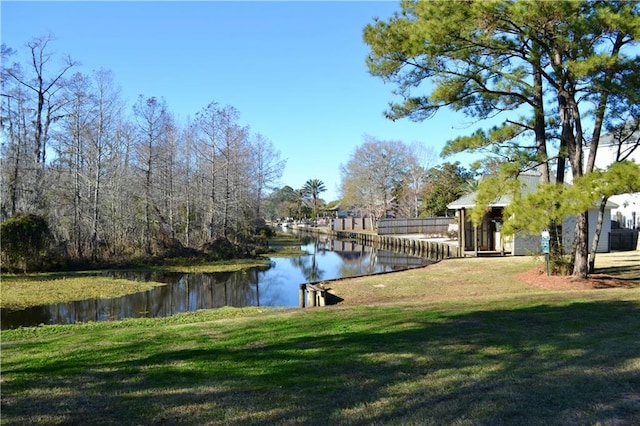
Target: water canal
[{"x": 275, "y": 286}]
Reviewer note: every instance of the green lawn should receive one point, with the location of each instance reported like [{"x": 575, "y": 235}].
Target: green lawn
[
  {"x": 23, "y": 291},
  {"x": 20, "y": 291},
  {"x": 482, "y": 349}
]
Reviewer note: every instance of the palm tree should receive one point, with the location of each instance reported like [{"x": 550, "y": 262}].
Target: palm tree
[
  {"x": 312, "y": 188},
  {"x": 298, "y": 197}
]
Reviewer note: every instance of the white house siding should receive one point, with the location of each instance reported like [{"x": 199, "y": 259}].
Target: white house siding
[
  {"x": 527, "y": 245},
  {"x": 568, "y": 231},
  {"x": 604, "y": 244}
]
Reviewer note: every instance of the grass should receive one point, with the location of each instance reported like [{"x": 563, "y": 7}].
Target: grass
[
  {"x": 464, "y": 342},
  {"x": 480, "y": 279},
  {"x": 624, "y": 265},
  {"x": 210, "y": 267},
  {"x": 285, "y": 245},
  {"x": 284, "y": 239},
  {"x": 23, "y": 291},
  {"x": 287, "y": 252}
]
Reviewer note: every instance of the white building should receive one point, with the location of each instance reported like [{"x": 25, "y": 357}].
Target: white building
[
  {"x": 627, "y": 212},
  {"x": 488, "y": 236}
]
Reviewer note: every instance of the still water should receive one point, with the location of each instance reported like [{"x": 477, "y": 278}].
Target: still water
[{"x": 275, "y": 286}]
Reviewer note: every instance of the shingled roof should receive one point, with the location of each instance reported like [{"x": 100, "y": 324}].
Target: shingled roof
[{"x": 529, "y": 184}]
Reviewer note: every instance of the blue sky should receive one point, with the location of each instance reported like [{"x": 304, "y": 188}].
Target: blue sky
[{"x": 295, "y": 70}]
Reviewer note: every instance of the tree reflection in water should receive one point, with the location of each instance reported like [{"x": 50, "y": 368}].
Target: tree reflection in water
[{"x": 276, "y": 285}]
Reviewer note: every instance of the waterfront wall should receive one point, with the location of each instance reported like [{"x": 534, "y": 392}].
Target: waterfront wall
[
  {"x": 434, "y": 250},
  {"x": 316, "y": 294},
  {"x": 359, "y": 230}
]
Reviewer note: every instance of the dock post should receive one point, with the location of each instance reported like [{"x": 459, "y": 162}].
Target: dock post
[
  {"x": 301, "y": 295},
  {"x": 311, "y": 297}
]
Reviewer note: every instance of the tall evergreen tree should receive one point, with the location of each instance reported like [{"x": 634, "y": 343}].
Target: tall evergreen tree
[{"x": 554, "y": 62}]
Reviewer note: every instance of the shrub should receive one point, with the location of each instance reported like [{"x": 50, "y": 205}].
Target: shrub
[{"x": 25, "y": 241}]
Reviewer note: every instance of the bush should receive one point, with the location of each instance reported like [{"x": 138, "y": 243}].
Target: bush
[
  {"x": 26, "y": 239},
  {"x": 222, "y": 249},
  {"x": 265, "y": 231}
]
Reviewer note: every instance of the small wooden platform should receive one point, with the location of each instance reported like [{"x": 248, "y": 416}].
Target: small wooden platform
[{"x": 316, "y": 295}]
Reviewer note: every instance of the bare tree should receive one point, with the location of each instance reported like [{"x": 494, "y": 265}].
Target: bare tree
[
  {"x": 235, "y": 153},
  {"x": 188, "y": 188},
  {"x": 120, "y": 195},
  {"x": 421, "y": 159},
  {"x": 71, "y": 168},
  {"x": 166, "y": 179},
  {"x": 102, "y": 146},
  {"x": 150, "y": 114},
  {"x": 373, "y": 175},
  {"x": 267, "y": 168},
  {"x": 14, "y": 152},
  {"x": 44, "y": 107},
  {"x": 123, "y": 184},
  {"x": 208, "y": 149},
  {"x": 223, "y": 150}
]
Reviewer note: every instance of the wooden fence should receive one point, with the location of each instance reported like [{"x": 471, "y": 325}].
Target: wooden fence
[
  {"x": 623, "y": 239},
  {"x": 352, "y": 224},
  {"x": 427, "y": 226}
]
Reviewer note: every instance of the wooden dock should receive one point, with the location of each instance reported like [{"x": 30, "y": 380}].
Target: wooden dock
[{"x": 312, "y": 295}]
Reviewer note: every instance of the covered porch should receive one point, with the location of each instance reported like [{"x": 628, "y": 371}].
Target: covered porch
[{"x": 486, "y": 239}]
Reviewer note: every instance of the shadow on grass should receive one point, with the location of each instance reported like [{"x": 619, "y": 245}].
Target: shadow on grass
[
  {"x": 574, "y": 364},
  {"x": 629, "y": 273},
  {"x": 626, "y": 267}
]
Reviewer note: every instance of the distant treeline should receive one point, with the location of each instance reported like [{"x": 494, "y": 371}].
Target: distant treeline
[{"x": 116, "y": 181}]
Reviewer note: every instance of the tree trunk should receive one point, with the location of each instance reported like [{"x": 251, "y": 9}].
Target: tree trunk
[
  {"x": 15, "y": 175},
  {"x": 96, "y": 210},
  {"x": 147, "y": 196},
  {"x": 540, "y": 125},
  {"x": 212, "y": 195},
  {"x": 147, "y": 209},
  {"x": 596, "y": 236},
  {"x": 581, "y": 261},
  {"x": 227, "y": 196},
  {"x": 98, "y": 145}
]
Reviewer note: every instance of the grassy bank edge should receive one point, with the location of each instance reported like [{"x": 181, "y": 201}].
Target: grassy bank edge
[{"x": 20, "y": 291}]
